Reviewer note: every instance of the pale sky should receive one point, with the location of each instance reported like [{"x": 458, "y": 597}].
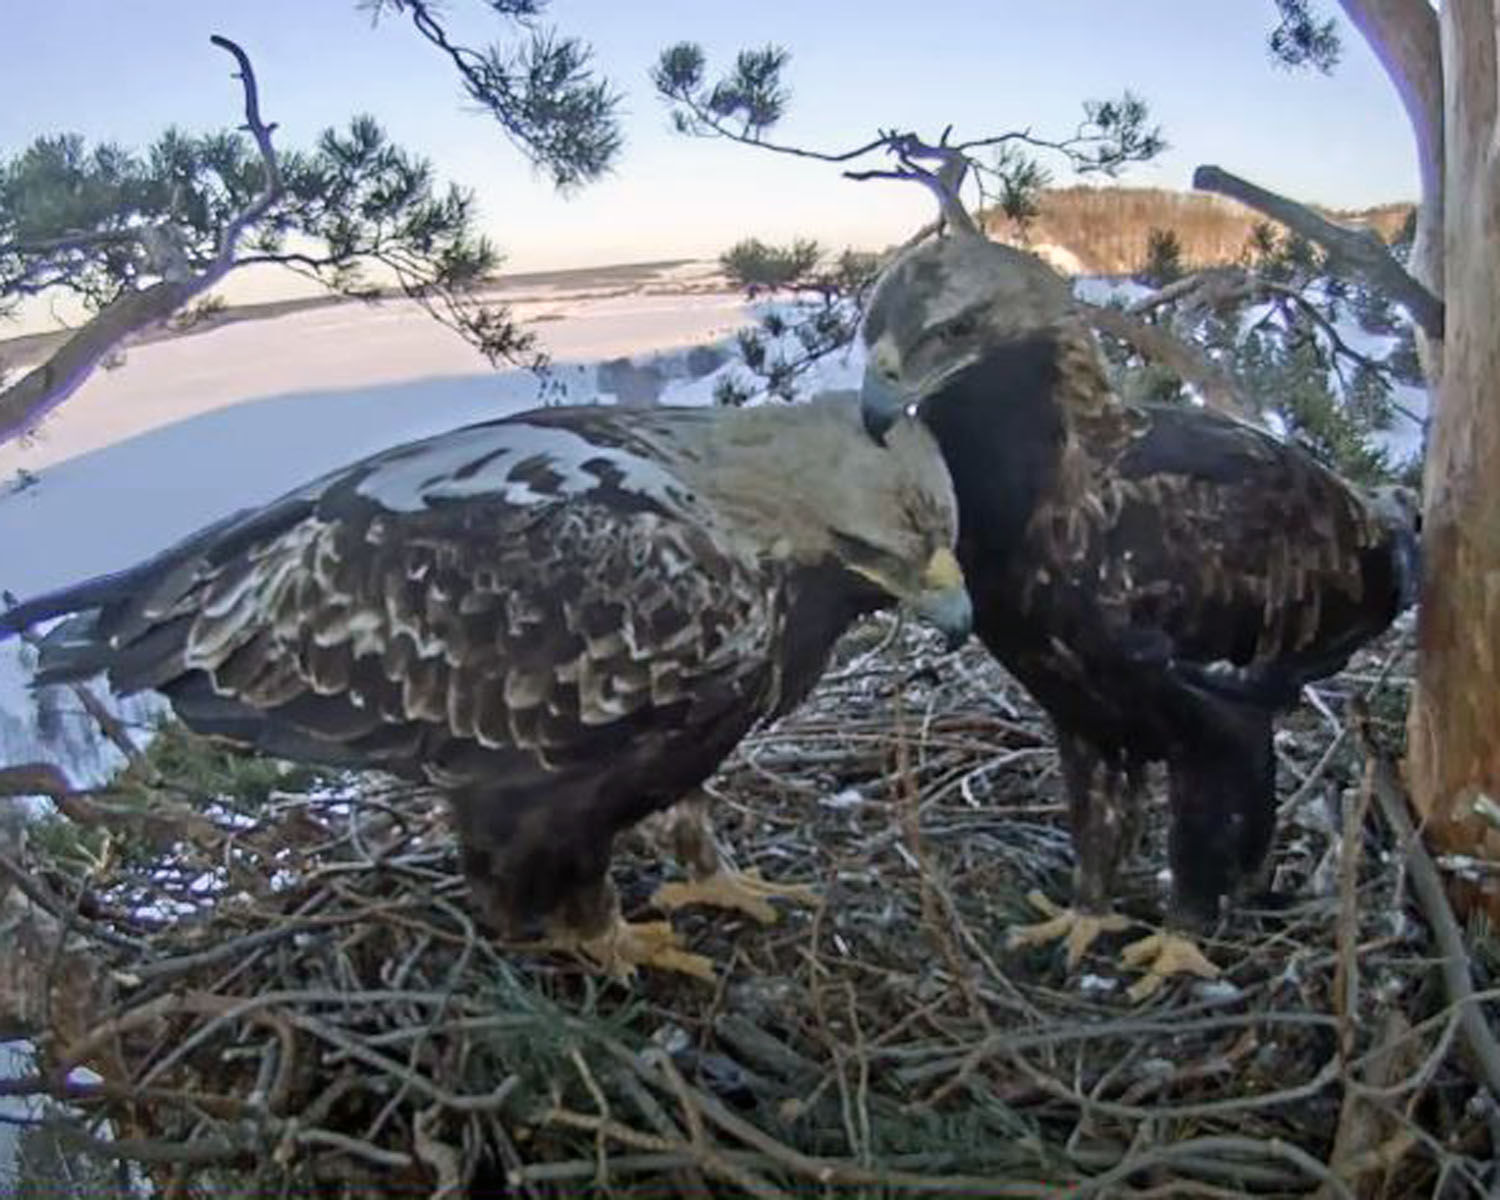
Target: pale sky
[{"x": 123, "y": 70}]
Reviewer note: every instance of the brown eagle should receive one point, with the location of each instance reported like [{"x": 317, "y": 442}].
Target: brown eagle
[
  {"x": 1162, "y": 579},
  {"x": 564, "y": 619}
]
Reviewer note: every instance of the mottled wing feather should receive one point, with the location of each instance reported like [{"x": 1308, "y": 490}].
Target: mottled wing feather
[
  {"x": 548, "y": 630},
  {"x": 1231, "y": 545}
]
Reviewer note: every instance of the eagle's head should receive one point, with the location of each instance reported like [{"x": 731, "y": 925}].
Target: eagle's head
[
  {"x": 805, "y": 482},
  {"x": 938, "y": 308}
]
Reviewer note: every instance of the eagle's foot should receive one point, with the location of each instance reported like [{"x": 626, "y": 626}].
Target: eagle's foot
[
  {"x": 1165, "y": 954},
  {"x": 741, "y": 891},
  {"x": 1078, "y": 930},
  {"x": 624, "y": 947}
]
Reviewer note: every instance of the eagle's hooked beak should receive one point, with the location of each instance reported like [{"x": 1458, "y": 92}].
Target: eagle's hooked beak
[
  {"x": 881, "y": 403},
  {"x": 943, "y": 601}
]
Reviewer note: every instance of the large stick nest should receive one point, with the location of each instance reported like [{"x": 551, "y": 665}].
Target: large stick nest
[{"x": 298, "y": 1001}]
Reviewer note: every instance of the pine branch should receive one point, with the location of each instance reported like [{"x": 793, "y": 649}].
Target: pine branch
[
  {"x": 1186, "y": 361},
  {"x": 1221, "y": 287},
  {"x": 42, "y": 389},
  {"x": 545, "y": 98},
  {"x": 744, "y": 105},
  {"x": 1357, "y": 251}
]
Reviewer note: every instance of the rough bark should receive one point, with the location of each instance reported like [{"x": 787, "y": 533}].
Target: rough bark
[{"x": 1453, "y": 759}]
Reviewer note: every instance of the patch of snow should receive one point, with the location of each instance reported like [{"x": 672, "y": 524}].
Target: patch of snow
[
  {"x": 1107, "y": 289},
  {"x": 348, "y": 347},
  {"x": 1217, "y": 991}
]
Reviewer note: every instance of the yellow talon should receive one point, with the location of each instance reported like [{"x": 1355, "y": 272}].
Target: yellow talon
[
  {"x": 1164, "y": 955},
  {"x": 624, "y": 947},
  {"x": 745, "y": 892},
  {"x": 1078, "y": 930}
]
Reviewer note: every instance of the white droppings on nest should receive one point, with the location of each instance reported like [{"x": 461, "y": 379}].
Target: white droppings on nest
[
  {"x": 1217, "y": 991},
  {"x": 1090, "y": 984},
  {"x": 840, "y": 801}
]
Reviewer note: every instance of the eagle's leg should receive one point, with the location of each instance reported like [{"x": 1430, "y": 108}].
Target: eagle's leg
[
  {"x": 687, "y": 830},
  {"x": 1103, "y": 803},
  {"x": 1223, "y": 801},
  {"x": 590, "y": 922},
  {"x": 519, "y": 867}
]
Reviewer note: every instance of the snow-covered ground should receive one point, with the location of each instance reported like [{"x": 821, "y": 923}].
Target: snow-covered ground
[{"x": 346, "y": 347}]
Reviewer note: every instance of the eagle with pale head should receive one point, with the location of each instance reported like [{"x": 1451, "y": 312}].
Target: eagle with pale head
[{"x": 564, "y": 619}]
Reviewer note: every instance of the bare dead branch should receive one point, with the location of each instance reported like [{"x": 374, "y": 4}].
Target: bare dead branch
[
  {"x": 945, "y": 183},
  {"x": 1218, "y": 1148},
  {"x": 42, "y": 389},
  {"x": 147, "y": 1150},
  {"x": 1358, "y": 251}
]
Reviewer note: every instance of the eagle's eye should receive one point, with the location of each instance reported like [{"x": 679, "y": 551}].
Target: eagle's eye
[{"x": 960, "y": 328}]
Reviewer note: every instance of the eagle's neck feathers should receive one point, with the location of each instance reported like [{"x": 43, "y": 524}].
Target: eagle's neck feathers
[{"x": 1026, "y": 431}]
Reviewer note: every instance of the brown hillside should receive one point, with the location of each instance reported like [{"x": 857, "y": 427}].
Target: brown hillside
[{"x": 1106, "y": 228}]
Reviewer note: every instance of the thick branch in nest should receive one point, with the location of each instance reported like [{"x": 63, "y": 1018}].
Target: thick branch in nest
[
  {"x": 42, "y": 389},
  {"x": 1357, "y": 251},
  {"x": 1427, "y": 885}
]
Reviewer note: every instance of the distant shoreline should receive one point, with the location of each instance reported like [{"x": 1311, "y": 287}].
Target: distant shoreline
[{"x": 574, "y": 282}]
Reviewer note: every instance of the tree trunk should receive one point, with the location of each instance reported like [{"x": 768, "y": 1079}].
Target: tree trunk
[{"x": 1453, "y": 765}]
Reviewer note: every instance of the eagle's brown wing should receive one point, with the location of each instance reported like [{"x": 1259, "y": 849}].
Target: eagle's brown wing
[
  {"x": 407, "y": 615},
  {"x": 1241, "y": 550}
]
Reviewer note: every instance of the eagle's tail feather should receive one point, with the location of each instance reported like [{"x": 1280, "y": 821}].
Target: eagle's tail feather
[
  {"x": 72, "y": 651},
  {"x": 92, "y": 594},
  {"x": 115, "y": 623}
]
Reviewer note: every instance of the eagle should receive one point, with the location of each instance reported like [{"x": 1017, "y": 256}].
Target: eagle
[
  {"x": 1162, "y": 579},
  {"x": 563, "y": 620}
]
